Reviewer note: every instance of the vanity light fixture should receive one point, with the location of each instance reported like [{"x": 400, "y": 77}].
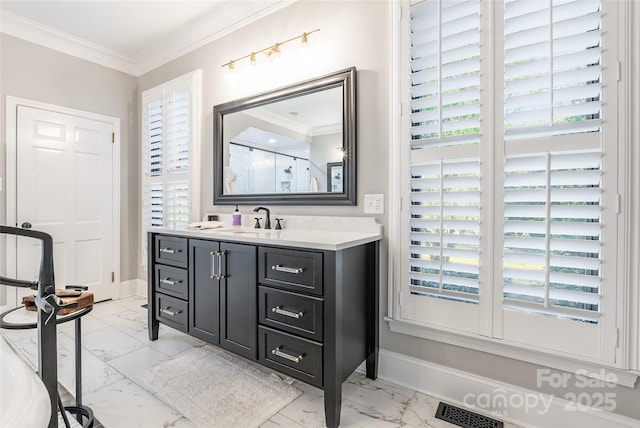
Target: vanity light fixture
[{"x": 272, "y": 51}]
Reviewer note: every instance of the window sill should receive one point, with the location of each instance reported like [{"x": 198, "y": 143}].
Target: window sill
[{"x": 626, "y": 378}]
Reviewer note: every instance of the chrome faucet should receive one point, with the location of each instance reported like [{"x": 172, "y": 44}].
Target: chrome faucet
[{"x": 267, "y": 220}]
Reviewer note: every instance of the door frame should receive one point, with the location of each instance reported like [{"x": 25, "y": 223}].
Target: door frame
[{"x": 11, "y": 205}]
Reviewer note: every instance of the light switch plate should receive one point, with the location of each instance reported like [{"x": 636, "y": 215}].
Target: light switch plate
[{"x": 374, "y": 204}]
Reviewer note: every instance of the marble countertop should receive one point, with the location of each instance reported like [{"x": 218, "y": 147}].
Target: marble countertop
[{"x": 303, "y": 232}]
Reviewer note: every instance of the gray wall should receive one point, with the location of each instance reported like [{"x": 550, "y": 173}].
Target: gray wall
[{"x": 36, "y": 73}]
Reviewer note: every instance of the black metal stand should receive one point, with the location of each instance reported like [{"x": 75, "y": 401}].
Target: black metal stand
[{"x": 47, "y": 320}]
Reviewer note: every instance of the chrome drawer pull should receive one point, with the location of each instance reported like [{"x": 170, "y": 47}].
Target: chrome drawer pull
[
  {"x": 166, "y": 311},
  {"x": 169, "y": 251},
  {"x": 169, "y": 281},
  {"x": 281, "y": 268},
  {"x": 286, "y": 356},
  {"x": 279, "y": 310}
]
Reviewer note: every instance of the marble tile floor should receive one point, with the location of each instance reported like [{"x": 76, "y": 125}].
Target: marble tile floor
[{"x": 116, "y": 348}]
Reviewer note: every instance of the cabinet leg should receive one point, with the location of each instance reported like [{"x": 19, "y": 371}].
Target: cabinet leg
[
  {"x": 372, "y": 365},
  {"x": 153, "y": 329},
  {"x": 332, "y": 405},
  {"x": 373, "y": 314}
]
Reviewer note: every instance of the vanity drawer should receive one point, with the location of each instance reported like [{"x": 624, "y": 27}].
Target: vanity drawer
[
  {"x": 293, "y": 270},
  {"x": 295, "y": 356},
  {"x": 172, "y": 281},
  {"x": 292, "y": 312},
  {"x": 171, "y": 250},
  {"x": 172, "y": 311}
]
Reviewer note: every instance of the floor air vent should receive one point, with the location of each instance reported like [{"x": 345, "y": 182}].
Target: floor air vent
[{"x": 464, "y": 418}]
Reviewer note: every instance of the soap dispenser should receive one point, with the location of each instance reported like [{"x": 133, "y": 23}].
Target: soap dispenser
[{"x": 236, "y": 218}]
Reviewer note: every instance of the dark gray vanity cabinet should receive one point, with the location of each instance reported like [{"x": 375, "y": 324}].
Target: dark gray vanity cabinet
[{"x": 309, "y": 313}]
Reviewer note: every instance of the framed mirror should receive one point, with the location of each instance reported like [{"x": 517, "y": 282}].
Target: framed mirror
[{"x": 292, "y": 146}]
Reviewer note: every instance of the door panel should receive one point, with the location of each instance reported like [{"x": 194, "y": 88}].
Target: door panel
[
  {"x": 238, "y": 293},
  {"x": 65, "y": 188},
  {"x": 204, "y": 291}
]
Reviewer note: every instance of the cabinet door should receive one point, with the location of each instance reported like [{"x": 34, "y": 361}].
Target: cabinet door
[
  {"x": 204, "y": 290},
  {"x": 238, "y": 293}
]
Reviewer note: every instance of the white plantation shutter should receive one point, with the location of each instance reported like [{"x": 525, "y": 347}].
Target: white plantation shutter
[
  {"x": 445, "y": 73},
  {"x": 153, "y": 205},
  {"x": 445, "y": 226},
  {"x": 552, "y": 229},
  {"x": 445, "y": 183},
  {"x": 552, "y": 67},
  {"x": 177, "y": 204},
  {"x": 152, "y": 135},
  {"x": 177, "y": 133},
  {"x": 511, "y": 223},
  {"x": 553, "y": 200},
  {"x": 169, "y": 122}
]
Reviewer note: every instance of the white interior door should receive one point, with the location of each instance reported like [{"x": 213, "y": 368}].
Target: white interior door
[{"x": 64, "y": 187}]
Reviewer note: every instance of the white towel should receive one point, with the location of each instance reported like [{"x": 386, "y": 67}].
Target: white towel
[
  {"x": 314, "y": 184},
  {"x": 207, "y": 225}
]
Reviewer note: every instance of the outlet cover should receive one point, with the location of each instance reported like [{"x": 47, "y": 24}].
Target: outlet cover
[{"x": 374, "y": 204}]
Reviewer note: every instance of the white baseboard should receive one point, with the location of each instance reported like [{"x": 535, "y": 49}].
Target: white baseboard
[
  {"x": 502, "y": 401},
  {"x": 132, "y": 287}
]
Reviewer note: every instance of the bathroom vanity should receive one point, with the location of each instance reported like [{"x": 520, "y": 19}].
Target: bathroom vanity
[{"x": 302, "y": 301}]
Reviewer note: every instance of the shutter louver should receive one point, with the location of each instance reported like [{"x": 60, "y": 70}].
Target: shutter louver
[
  {"x": 445, "y": 73},
  {"x": 445, "y": 230},
  {"x": 552, "y": 226},
  {"x": 177, "y": 118},
  {"x": 177, "y": 204},
  {"x": 552, "y": 67},
  {"x": 152, "y": 135},
  {"x": 153, "y": 205},
  {"x": 445, "y": 114}
]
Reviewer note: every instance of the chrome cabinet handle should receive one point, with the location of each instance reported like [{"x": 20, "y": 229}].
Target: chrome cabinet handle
[
  {"x": 169, "y": 281},
  {"x": 220, "y": 254},
  {"x": 214, "y": 275},
  {"x": 166, "y": 311},
  {"x": 279, "y": 310},
  {"x": 281, "y": 268},
  {"x": 278, "y": 353},
  {"x": 169, "y": 251},
  {"x": 216, "y": 261}
]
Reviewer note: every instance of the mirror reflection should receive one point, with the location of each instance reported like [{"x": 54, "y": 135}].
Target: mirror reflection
[
  {"x": 285, "y": 146},
  {"x": 293, "y": 145}
]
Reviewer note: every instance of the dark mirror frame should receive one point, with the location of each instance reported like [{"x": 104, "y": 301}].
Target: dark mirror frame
[{"x": 346, "y": 79}]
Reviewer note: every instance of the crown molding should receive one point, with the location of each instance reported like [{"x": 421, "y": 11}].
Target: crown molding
[
  {"x": 208, "y": 29},
  {"x": 203, "y": 32},
  {"x": 48, "y": 37}
]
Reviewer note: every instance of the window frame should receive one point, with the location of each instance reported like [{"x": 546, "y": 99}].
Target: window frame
[
  {"x": 627, "y": 361},
  {"x": 190, "y": 82}
]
